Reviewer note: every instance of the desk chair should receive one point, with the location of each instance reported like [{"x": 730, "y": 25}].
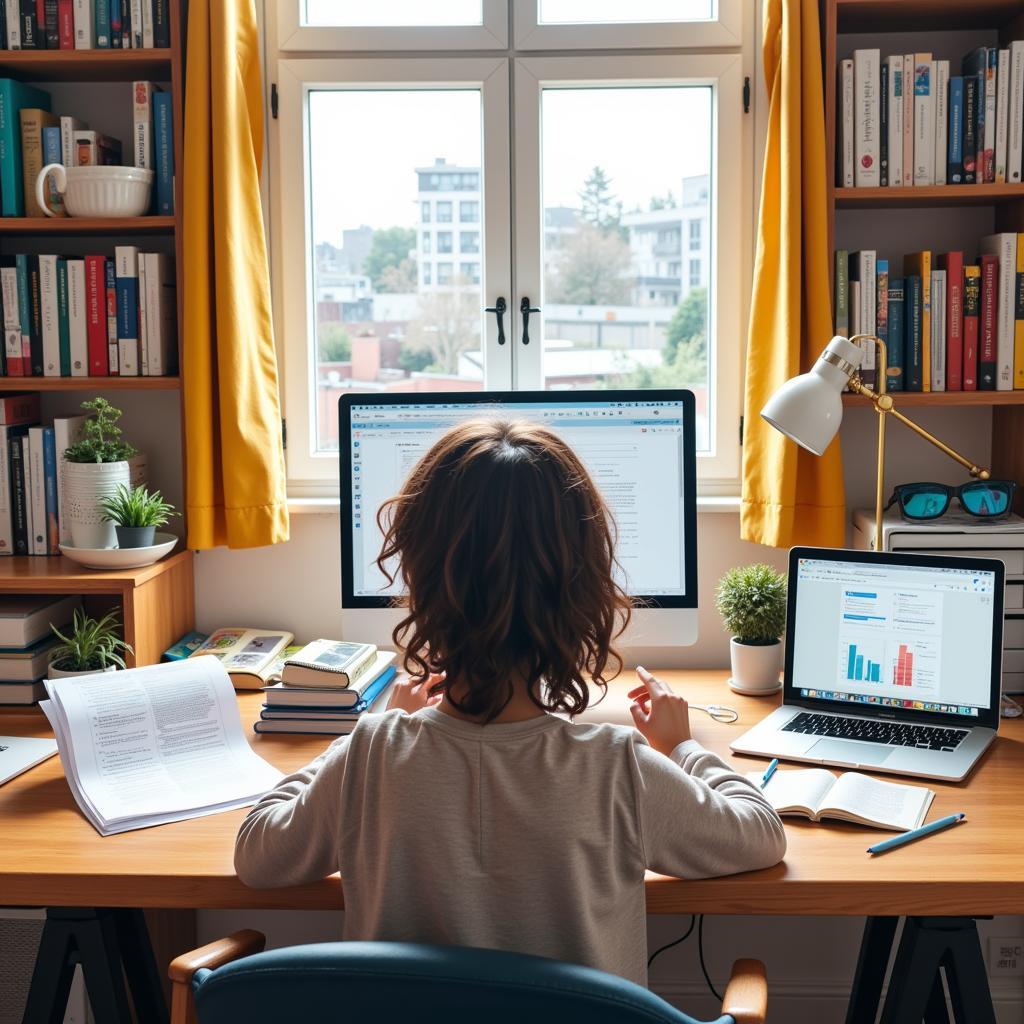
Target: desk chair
[{"x": 390, "y": 982}]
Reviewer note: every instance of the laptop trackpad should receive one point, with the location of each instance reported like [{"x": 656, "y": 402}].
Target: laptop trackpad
[{"x": 850, "y": 750}]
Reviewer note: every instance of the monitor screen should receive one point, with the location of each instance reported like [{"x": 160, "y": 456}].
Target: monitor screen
[
  {"x": 915, "y": 637},
  {"x": 638, "y": 447}
]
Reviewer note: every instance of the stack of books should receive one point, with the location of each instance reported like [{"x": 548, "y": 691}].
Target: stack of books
[
  {"x": 85, "y": 24},
  {"x": 950, "y": 322},
  {"x": 89, "y": 316},
  {"x": 27, "y": 642},
  {"x": 325, "y": 687},
  {"x": 31, "y": 136},
  {"x": 906, "y": 120},
  {"x": 32, "y": 509}
]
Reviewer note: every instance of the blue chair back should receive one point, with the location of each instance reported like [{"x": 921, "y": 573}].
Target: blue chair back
[{"x": 387, "y": 982}]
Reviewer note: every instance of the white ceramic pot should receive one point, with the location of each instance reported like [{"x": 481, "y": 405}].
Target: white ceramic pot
[
  {"x": 85, "y": 483},
  {"x": 97, "y": 191},
  {"x": 59, "y": 673},
  {"x": 755, "y": 667}
]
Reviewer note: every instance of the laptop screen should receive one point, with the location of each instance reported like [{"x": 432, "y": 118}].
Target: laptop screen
[{"x": 913, "y": 637}]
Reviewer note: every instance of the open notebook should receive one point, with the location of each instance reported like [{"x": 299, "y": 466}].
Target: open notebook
[{"x": 817, "y": 793}]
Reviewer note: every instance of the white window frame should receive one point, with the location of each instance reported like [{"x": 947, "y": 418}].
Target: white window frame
[
  {"x": 296, "y": 37},
  {"x": 723, "y": 30},
  {"x": 313, "y": 474},
  {"x": 731, "y": 196}
]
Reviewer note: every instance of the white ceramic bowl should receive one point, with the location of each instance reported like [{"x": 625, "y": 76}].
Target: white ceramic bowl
[
  {"x": 121, "y": 558},
  {"x": 98, "y": 191}
]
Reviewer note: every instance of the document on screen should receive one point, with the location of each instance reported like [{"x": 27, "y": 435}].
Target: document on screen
[{"x": 153, "y": 745}]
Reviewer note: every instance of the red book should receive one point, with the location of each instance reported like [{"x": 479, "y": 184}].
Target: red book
[
  {"x": 96, "y": 314},
  {"x": 972, "y": 310},
  {"x": 987, "y": 321},
  {"x": 953, "y": 264},
  {"x": 66, "y": 23}
]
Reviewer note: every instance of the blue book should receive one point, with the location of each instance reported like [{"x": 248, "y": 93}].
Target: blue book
[
  {"x": 914, "y": 377},
  {"x": 126, "y": 291},
  {"x": 14, "y": 96},
  {"x": 50, "y": 491},
  {"x": 24, "y": 312},
  {"x": 376, "y": 688},
  {"x": 164, "y": 153},
  {"x": 897, "y": 354},
  {"x": 955, "y": 150},
  {"x": 102, "y": 16},
  {"x": 51, "y": 155},
  {"x": 63, "y": 322}
]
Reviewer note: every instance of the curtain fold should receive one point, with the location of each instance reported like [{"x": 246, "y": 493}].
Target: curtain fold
[
  {"x": 789, "y": 495},
  {"x": 235, "y": 475}
]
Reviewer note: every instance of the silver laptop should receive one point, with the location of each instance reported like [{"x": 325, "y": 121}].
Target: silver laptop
[{"x": 893, "y": 663}]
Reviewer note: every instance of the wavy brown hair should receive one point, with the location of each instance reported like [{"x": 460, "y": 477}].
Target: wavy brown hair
[{"x": 506, "y": 548}]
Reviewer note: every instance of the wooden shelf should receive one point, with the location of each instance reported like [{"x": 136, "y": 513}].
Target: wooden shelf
[
  {"x": 927, "y": 195},
  {"x": 43, "y": 574},
  {"x": 943, "y": 399},
  {"x": 86, "y": 65},
  {"x": 86, "y": 225},
  {"x": 8, "y": 384},
  {"x": 924, "y": 15}
]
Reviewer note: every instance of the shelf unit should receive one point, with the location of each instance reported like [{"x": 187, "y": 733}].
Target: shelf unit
[{"x": 1004, "y": 204}]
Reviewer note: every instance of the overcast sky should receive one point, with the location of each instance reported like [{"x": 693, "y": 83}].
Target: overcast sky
[{"x": 365, "y": 145}]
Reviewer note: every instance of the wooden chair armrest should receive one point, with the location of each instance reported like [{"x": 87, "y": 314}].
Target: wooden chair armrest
[
  {"x": 212, "y": 955},
  {"x": 746, "y": 995}
]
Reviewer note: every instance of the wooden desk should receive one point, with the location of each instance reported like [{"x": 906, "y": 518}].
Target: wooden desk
[{"x": 52, "y": 856}]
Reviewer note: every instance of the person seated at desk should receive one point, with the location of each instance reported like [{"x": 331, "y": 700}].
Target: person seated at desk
[{"x": 468, "y": 813}]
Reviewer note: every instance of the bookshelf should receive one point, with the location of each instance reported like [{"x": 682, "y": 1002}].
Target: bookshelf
[{"x": 961, "y": 212}]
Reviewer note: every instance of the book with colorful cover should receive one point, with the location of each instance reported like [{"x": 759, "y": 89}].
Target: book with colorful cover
[
  {"x": 15, "y": 96},
  {"x": 247, "y": 654},
  {"x": 185, "y": 647},
  {"x": 953, "y": 264},
  {"x": 329, "y": 663},
  {"x": 897, "y": 352},
  {"x": 972, "y": 311},
  {"x": 988, "y": 324},
  {"x": 919, "y": 264},
  {"x": 882, "y": 303},
  {"x": 914, "y": 357}
]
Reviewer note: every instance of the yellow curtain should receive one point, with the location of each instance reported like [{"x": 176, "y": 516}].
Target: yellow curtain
[
  {"x": 235, "y": 477},
  {"x": 789, "y": 495}
]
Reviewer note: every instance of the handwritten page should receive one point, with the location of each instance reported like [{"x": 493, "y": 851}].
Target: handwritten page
[{"x": 156, "y": 744}]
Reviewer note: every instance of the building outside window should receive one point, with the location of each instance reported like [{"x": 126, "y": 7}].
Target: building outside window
[
  {"x": 469, "y": 241},
  {"x": 425, "y": 247},
  {"x": 444, "y": 241},
  {"x": 469, "y": 211},
  {"x": 444, "y": 273},
  {"x": 695, "y": 233},
  {"x": 470, "y": 271},
  {"x": 425, "y": 212},
  {"x": 444, "y": 211}
]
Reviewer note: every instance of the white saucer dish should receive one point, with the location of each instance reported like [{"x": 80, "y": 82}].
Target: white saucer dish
[
  {"x": 121, "y": 558},
  {"x": 753, "y": 693}
]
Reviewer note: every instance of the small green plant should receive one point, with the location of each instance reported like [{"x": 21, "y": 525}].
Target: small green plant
[
  {"x": 135, "y": 506},
  {"x": 102, "y": 441},
  {"x": 752, "y": 602},
  {"x": 92, "y": 644}
]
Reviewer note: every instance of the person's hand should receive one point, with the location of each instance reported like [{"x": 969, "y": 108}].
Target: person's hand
[
  {"x": 410, "y": 695},
  {"x": 661, "y": 716}
]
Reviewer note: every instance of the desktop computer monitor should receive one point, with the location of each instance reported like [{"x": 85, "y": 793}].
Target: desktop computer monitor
[{"x": 638, "y": 446}]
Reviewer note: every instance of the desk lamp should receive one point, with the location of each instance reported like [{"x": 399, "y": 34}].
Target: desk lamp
[{"x": 809, "y": 408}]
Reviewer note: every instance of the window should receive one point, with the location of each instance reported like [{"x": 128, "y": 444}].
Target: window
[{"x": 606, "y": 199}]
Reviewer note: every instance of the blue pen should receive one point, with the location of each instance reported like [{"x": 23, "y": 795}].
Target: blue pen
[
  {"x": 770, "y": 772},
  {"x": 917, "y": 833}
]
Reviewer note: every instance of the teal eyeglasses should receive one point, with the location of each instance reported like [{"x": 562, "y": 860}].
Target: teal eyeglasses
[{"x": 983, "y": 499}]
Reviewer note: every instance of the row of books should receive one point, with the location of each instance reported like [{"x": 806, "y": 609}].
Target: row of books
[
  {"x": 84, "y": 24},
  {"x": 32, "y": 509},
  {"x": 90, "y": 316},
  {"x": 31, "y": 136},
  {"x": 949, "y": 323},
  {"x": 905, "y": 120},
  {"x": 27, "y": 642}
]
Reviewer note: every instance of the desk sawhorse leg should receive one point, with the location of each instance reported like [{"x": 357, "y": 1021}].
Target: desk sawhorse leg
[
  {"x": 111, "y": 945},
  {"x": 915, "y": 988}
]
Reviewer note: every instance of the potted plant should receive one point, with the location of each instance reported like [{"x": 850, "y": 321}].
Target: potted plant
[
  {"x": 95, "y": 467},
  {"x": 91, "y": 645},
  {"x": 135, "y": 513},
  {"x": 752, "y": 602}
]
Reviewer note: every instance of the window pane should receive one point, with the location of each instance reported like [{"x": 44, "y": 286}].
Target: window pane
[
  {"x": 388, "y": 315},
  {"x": 627, "y": 257},
  {"x": 591, "y": 12},
  {"x": 393, "y": 13}
]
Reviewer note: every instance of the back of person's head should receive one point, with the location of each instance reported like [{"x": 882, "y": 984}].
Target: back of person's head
[{"x": 506, "y": 548}]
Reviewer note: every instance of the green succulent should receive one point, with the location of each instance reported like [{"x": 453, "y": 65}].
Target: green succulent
[
  {"x": 752, "y": 602},
  {"x": 102, "y": 441},
  {"x": 135, "y": 506},
  {"x": 92, "y": 644}
]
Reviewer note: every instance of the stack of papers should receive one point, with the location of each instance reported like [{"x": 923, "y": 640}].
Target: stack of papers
[{"x": 153, "y": 745}]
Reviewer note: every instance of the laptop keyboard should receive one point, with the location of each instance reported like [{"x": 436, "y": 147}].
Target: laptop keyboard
[{"x": 873, "y": 730}]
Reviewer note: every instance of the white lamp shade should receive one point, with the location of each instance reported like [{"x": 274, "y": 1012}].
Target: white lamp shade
[{"x": 809, "y": 408}]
